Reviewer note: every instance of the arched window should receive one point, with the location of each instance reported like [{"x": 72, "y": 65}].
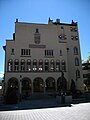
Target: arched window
[
  {"x": 75, "y": 51},
  {"x": 35, "y": 65},
  {"x": 57, "y": 65},
  {"x": 22, "y": 65},
  {"x": 28, "y": 65},
  {"x": 52, "y": 65},
  {"x": 77, "y": 73},
  {"x": 46, "y": 65},
  {"x": 76, "y": 61},
  {"x": 40, "y": 65},
  {"x": 63, "y": 65},
  {"x": 16, "y": 65},
  {"x": 10, "y": 65}
]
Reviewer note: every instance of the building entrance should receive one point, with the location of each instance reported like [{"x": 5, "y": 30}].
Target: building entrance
[
  {"x": 12, "y": 92},
  {"x": 50, "y": 84},
  {"x": 26, "y": 87},
  {"x": 38, "y": 85},
  {"x": 13, "y": 84}
]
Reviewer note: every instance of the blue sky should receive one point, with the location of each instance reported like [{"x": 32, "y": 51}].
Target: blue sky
[{"x": 39, "y": 11}]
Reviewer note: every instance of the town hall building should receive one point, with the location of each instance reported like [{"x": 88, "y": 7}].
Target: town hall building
[{"x": 43, "y": 58}]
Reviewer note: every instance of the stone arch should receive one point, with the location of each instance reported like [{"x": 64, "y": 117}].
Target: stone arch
[
  {"x": 12, "y": 91},
  {"x": 13, "y": 83},
  {"x": 38, "y": 85},
  {"x": 26, "y": 86},
  {"x": 50, "y": 84},
  {"x": 13, "y": 86}
]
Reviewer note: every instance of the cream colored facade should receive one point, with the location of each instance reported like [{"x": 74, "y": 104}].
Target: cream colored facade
[{"x": 37, "y": 55}]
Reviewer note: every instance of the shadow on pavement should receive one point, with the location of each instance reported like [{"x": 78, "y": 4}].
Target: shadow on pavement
[{"x": 33, "y": 104}]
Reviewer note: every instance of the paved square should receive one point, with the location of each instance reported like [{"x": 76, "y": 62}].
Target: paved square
[{"x": 76, "y": 112}]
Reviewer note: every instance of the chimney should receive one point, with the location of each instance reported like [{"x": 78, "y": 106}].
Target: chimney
[
  {"x": 16, "y": 20},
  {"x": 50, "y": 21},
  {"x": 57, "y": 20}
]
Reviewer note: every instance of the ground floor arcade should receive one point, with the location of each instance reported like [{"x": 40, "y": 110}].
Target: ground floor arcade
[{"x": 27, "y": 86}]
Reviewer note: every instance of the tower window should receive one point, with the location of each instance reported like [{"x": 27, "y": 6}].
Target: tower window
[
  {"x": 77, "y": 73},
  {"x": 76, "y": 61},
  {"x": 75, "y": 51}
]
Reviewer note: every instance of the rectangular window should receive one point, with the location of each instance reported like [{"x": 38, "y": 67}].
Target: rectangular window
[
  {"x": 73, "y": 29},
  {"x": 25, "y": 52},
  {"x": 74, "y": 37},
  {"x": 61, "y": 53},
  {"x": 49, "y": 53},
  {"x": 21, "y": 51},
  {"x": 12, "y": 51}
]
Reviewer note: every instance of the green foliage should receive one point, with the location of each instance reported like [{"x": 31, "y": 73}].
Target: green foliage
[
  {"x": 88, "y": 58},
  {"x": 0, "y": 82}
]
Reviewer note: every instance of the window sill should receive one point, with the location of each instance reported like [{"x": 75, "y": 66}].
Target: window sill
[{"x": 25, "y": 56}]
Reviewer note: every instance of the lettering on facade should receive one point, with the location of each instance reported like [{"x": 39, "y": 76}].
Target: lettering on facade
[{"x": 36, "y": 46}]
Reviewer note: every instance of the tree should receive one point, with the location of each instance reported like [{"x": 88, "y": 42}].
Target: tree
[
  {"x": 88, "y": 58},
  {"x": 87, "y": 66}
]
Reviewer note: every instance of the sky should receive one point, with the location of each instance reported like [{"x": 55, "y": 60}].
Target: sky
[{"x": 38, "y": 11}]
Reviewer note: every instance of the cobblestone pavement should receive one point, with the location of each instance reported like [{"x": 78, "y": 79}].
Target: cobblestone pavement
[{"x": 76, "y": 112}]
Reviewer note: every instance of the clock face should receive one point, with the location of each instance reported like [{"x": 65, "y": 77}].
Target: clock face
[{"x": 62, "y": 37}]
